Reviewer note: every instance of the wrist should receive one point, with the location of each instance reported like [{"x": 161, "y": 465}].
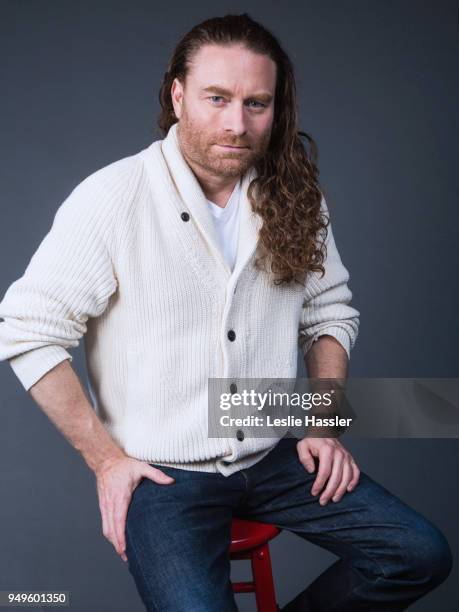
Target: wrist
[{"x": 102, "y": 461}]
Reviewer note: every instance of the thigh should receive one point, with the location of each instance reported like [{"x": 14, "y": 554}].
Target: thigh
[
  {"x": 369, "y": 523},
  {"x": 177, "y": 542}
]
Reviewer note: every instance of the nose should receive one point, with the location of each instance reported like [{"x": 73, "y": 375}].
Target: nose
[{"x": 235, "y": 120}]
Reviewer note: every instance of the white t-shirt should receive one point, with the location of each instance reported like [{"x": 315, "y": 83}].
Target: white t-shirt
[{"x": 227, "y": 224}]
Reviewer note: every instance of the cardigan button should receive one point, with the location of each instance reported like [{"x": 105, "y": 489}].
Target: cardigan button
[
  {"x": 232, "y": 335},
  {"x": 185, "y": 216},
  {"x": 233, "y": 388},
  {"x": 240, "y": 435}
]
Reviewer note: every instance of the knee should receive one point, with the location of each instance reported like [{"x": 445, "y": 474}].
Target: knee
[
  {"x": 431, "y": 559},
  {"x": 441, "y": 558}
]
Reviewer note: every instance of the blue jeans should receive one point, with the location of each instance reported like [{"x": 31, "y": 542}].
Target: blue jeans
[{"x": 178, "y": 536}]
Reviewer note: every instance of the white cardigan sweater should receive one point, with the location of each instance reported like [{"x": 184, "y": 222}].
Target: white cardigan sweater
[{"x": 132, "y": 262}]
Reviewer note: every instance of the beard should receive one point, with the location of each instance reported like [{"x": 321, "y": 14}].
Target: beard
[{"x": 199, "y": 147}]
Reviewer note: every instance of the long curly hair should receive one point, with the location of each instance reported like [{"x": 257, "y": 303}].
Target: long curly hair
[{"x": 286, "y": 192}]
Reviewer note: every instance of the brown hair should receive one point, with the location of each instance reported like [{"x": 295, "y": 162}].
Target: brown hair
[{"x": 288, "y": 194}]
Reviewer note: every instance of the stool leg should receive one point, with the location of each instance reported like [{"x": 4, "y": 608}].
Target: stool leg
[{"x": 263, "y": 579}]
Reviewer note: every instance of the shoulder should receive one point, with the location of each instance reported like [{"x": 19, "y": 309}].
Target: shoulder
[
  {"x": 111, "y": 181},
  {"x": 101, "y": 195}
]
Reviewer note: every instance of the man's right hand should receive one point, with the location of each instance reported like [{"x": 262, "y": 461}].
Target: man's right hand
[{"x": 116, "y": 480}]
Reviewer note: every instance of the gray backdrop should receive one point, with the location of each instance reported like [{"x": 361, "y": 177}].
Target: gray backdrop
[{"x": 378, "y": 91}]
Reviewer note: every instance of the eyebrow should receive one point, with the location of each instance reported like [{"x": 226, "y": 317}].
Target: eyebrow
[{"x": 265, "y": 97}]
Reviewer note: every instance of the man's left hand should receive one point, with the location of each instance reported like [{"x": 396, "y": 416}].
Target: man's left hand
[{"x": 335, "y": 464}]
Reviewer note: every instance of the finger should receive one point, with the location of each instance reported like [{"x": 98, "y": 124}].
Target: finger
[
  {"x": 105, "y": 529},
  {"x": 105, "y": 515},
  {"x": 355, "y": 477},
  {"x": 307, "y": 460},
  {"x": 325, "y": 465},
  {"x": 111, "y": 524},
  {"x": 157, "y": 476},
  {"x": 335, "y": 478},
  {"x": 120, "y": 525},
  {"x": 347, "y": 475}
]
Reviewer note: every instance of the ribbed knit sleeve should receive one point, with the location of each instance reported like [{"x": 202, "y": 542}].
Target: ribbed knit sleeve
[
  {"x": 69, "y": 278},
  {"x": 327, "y": 308}
]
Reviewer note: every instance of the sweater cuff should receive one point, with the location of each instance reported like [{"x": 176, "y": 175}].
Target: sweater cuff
[
  {"x": 337, "y": 332},
  {"x": 30, "y": 366}
]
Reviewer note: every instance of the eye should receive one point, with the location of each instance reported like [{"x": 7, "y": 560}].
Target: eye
[
  {"x": 261, "y": 105},
  {"x": 213, "y": 98}
]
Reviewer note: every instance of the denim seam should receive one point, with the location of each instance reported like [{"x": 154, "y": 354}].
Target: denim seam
[{"x": 246, "y": 478}]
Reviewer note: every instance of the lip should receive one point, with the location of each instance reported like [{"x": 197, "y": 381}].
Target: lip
[{"x": 231, "y": 148}]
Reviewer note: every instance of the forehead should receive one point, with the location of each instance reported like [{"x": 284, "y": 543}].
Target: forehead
[{"x": 233, "y": 67}]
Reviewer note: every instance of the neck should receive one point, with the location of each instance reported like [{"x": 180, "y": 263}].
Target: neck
[
  {"x": 218, "y": 192},
  {"x": 216, "y": 187}
]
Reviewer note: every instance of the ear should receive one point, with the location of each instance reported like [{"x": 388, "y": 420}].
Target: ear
[{"x": 177, "y": 97}]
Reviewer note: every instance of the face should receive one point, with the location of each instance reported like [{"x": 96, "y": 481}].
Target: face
[{"x": 225, "y": 109}]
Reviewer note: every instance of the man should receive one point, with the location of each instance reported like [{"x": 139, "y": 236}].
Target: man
[{"x": 167, "y": 288}]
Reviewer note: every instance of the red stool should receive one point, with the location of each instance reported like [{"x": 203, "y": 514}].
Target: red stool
[{"x": 249, "y": 540}]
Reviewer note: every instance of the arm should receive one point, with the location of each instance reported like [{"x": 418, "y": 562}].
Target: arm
[
  {"x": 327, "y": 332},
  {"x": 61, "y": 396},
  {"x": 69, "y": 279},
  {"x": 329, "y": 324},
  {"x": 326, "y": 308},
  {"x": 327, "y": 358}
]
